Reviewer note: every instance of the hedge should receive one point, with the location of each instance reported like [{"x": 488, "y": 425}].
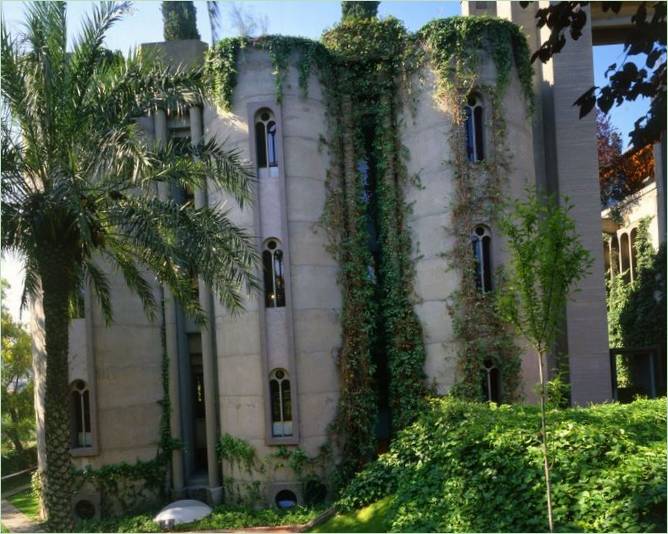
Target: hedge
[{"x": 473, "y": 467}]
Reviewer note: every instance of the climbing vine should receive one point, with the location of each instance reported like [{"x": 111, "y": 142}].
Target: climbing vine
[
  {"x": 382, "y": 356},
  {"x": 221, "y": 64},
  {"x": 366, "y": 67},
  {"x": 240, "y": 457},
  {"x": 637, "y": 309},
  {"x": 454, "y": 46}
]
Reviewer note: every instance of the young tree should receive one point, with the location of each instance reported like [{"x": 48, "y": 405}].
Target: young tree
[
  {"x": 546, "y": 262},
  {"x": 179, "y": 20},
  {"x": 78, "y": 189},
  {"x": 18, "y": 414}
]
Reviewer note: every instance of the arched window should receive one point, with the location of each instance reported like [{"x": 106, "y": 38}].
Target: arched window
[
  {"x": 625, "y": 256},
  {"x": 281, "y": 405},
  {"x": 606, "y": 257},
  {"x": 265, "y": 139},
  {"x": 80, "y": 404},
  {"x": 491, "y": 382},
  {"x": 614, "y": 255},
  {"x": 634, "y": 258},
  {"x": 481, "y": 241},
  {"x": 474, "y": 129},
  {"x": 274, "y": 283}
]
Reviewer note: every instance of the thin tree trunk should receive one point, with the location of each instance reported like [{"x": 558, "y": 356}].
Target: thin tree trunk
[
  {"x": 14, "y": 434},
  {"x": 57, "y": 480},
  {"x": 546, "y": 464}
]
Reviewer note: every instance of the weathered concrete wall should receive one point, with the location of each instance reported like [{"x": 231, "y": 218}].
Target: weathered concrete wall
[
  {"x": 128, "y": 360},
  {"x": 315, "y": 295},
  {"x": 425, "y": 133},
  {"x": 121, "y": 364}
]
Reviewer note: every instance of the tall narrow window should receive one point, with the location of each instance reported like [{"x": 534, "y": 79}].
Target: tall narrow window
[
  {"x": 625, "y": 256},
  {"x": 266, "y": 140},
  {"x": 274, "y": 282},
  {"x": 491, "y": 383},
  {"x": 481, "y": 241},
  {"x": 634, "y": 257},
  {"x": 80, "y": 403},
  {"x": 614, "y": 255},
  {"x": 474, "y": 129},
  {"x": 281, "y": 406}
]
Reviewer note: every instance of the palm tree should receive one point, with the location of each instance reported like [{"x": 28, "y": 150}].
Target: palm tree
[{"x": 78, "y": 192}]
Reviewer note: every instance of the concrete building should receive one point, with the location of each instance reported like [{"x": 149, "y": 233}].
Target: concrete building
[
  {"x": 620, "y": 222},
  {"x": 268, "y": 375}
]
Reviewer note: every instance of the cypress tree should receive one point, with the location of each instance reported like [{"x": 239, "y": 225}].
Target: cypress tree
[
  {"x": 359, "y": 10},
  {"x": 179, "y": 21}
]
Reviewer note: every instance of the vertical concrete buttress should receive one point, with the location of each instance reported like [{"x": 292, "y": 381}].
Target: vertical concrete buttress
[
  {"x": 566, "y": 164},
  {"x": 171, "y": 339},
  {"x": 208, "y": 344}
]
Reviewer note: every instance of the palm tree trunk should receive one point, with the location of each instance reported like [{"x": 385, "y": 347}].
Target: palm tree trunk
[
  {"x": 58, "y": 477},
  {"x": 543, "y": 426}
]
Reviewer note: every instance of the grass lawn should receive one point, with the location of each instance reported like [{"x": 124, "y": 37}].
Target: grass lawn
[
  {"x": 368, "y": 519},
  {"x": 26, "y": 503}
]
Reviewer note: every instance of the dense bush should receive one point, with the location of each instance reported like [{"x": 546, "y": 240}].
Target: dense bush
[{"x": 475, "y": 467}]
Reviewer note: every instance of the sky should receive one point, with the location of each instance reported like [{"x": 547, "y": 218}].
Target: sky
[{"x": 303, "y": 18}]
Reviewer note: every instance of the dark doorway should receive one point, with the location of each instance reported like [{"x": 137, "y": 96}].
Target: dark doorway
[{"x": 198, "y": 413}]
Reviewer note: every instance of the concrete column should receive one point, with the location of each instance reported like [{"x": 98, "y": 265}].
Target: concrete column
[
  {"x": 573, "y": 149},
  {"x": 171, "y": 339},
  {"x": 567, "y": 165},
  {"x": 215, "y": 490}
]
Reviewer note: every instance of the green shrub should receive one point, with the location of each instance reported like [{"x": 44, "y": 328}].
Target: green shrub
[
  {"x": 222, "y": 517},
  {"x": 474, "y": 467}
]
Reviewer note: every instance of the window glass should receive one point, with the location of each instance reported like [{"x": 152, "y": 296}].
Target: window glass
[
  {"x": 473, "y": 121},
  {"x": 271, "y": 144},
  {"x": 266, "y": 140},
  {"x": 281, "y": 406},
  {"x": 481, "y": 243},
  {"x": 81, "y": 417},
  {"x": 260, "y": 145},
  {"x": 491, "y": 382},
  {"x": 274, "y": 282}
]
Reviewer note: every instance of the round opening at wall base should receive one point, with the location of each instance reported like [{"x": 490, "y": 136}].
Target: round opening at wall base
[{"x": 285, "y": 499}]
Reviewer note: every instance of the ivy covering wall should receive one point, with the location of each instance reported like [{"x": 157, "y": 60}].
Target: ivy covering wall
[
  {"x": 456, "y": 47},
  {"x": 366, "y": 67},
  {"x": 637, "y": 309}
]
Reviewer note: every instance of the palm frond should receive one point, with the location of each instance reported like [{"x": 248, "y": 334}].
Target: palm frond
[
  {"x": 181, "y": 241},
  {"x": 94, "y": 276},
  {"x": 226, "y": 169},
  {"x": 133, "y": 277},
  {"x": 88, "y": 48},
  {"x": 31, "y": 284}
]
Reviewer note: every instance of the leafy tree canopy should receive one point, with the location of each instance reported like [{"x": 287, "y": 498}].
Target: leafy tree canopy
[{"x": 18, "y": 416}]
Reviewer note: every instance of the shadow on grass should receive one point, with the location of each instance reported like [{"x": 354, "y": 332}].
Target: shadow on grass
[{"x": 369, "y": 519}]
